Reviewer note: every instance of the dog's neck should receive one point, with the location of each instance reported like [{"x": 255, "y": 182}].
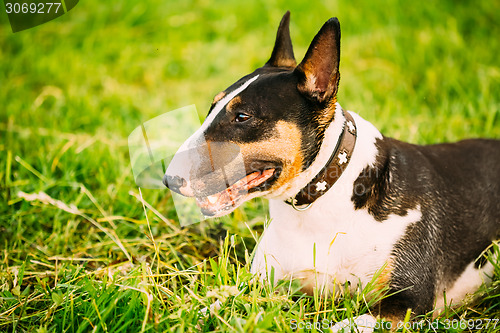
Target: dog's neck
[
  {"x": 333, "y": 169},
  {"x": 364, "y": 154}
]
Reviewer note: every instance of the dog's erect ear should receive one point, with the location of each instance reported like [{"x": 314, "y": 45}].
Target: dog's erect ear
[
  {"x": 319, "y": 70},
  {"x": 282, "y": 55}
]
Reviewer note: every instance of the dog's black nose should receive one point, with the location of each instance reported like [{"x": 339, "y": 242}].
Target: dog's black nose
[{"x": 173, "y": 183}]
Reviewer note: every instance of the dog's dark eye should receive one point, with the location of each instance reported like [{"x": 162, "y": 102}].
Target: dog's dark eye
[{"x": 241, "y": 117}]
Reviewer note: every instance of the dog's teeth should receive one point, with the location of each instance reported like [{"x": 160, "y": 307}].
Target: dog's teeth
[{"x": 212, "y": 199}]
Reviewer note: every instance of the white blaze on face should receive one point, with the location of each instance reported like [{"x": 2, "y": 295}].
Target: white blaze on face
[
  {"x": 219, "y": 106},
  {"x": 186, "y": 157}
]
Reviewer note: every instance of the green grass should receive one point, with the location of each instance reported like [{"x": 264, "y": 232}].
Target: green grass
[{"x": 90, "y": 257}]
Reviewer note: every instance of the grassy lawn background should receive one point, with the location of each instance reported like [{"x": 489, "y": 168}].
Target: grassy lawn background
[{"x": 87, "y": 257}]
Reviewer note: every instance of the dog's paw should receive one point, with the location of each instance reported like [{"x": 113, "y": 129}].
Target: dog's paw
[{"x": 363, "y": 324}]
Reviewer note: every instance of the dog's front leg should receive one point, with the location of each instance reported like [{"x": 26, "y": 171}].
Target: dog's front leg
[{"x": 265, "y": 265}]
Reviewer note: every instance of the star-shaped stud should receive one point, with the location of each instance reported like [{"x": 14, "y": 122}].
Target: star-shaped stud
[
  {"x": 342, "y": 157},
  {"x": 351, "y": 126},
  {"x": 321, "y": 186}
]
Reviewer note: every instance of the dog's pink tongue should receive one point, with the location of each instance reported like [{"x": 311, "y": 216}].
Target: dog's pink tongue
[{"x": 231, "y": 197}]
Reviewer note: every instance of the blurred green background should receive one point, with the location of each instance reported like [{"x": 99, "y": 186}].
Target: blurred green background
[{"x": 73, "y": 89}]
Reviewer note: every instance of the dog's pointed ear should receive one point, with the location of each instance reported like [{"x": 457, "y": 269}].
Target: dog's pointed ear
[
  {"x": 282, "y": 55},
  {"x": 319, "y": 70}
]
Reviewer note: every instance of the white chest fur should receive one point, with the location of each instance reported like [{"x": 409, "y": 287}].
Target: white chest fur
[{"x": 331, "y": 241}]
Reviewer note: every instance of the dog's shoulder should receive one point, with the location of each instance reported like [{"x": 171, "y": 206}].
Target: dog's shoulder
[{"x": 404, "y": 175}]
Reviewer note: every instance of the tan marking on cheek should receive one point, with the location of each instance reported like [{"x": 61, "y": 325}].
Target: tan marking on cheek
[
  {"x": 284, "y": 146},
  {"x": 232, "y": 103},
  {"x": 218, "y": 97}
]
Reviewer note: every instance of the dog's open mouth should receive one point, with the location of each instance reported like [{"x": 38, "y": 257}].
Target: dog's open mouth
[{"x": 220, "y": 203}]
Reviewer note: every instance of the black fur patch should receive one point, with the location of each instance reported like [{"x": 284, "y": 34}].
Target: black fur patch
[
  {"x": 379, "y": 188},
  {"x": 457, "y": 189}
]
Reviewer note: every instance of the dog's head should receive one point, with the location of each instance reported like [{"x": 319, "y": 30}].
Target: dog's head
[{"x": 264, "y": 130}]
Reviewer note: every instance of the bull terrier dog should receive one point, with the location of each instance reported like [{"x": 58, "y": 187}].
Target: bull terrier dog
[{"x": 347, "y": 204}]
